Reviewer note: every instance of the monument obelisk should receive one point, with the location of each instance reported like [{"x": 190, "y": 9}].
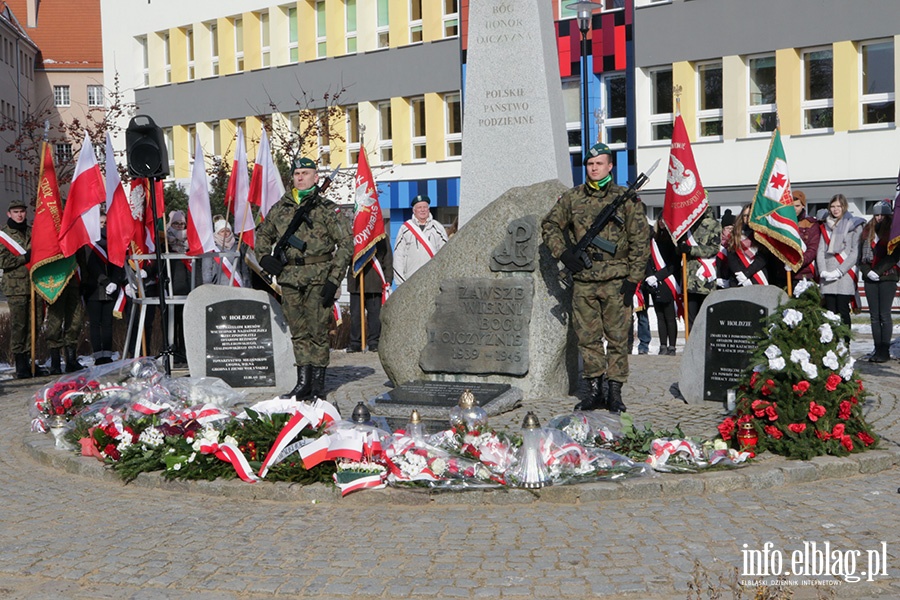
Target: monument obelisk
[{"x": 514, "y": 129}]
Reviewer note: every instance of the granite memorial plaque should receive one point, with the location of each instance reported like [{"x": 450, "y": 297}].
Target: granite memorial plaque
[
  {"x": 239, "y": 343},
  {"x": 508, "y": 106},
  {"x": 732, "y": 335},
  {"x": 480, "y": 326},
  {"x": 518, "y": 251},
  {"x": 434, "y": 399}
]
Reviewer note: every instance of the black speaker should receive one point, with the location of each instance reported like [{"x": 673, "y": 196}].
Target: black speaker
[{"x": 145, "y": 148}]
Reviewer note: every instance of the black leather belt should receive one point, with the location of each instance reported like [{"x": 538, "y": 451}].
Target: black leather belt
[{"x": 308, "y": 260}]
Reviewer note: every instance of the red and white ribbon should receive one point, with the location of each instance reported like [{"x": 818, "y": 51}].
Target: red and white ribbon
[
  {"x": 231, "y": 454},
  {"x": 11, "y": 244},
  {"x": 291, "y": 430}
]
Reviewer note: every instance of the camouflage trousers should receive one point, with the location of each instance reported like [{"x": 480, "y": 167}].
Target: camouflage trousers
[
  {"x": 65, "y": 319},
  {"x": 309, "y": 322},
  {"x": 599, "y": 314},
  {"x": 19, "y": 324}
]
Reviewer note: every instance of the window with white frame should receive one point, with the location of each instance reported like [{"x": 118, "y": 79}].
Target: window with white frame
[
  {"x": 350, "y": 22},
  {"x": 385, "y": 133},
  {"x": 571, "y": 89},
  {"x": 95, "y": 95},
  {"x": 451, "y": 18},
  {"x": 321, "y": 31},
  {"x": 817, "y": 101},
  {"x": 189, "y": 49},
  {"x": 615, "y": 111},
  {"x": 453, "y": 125},
  {"x": 145, "y": 59},
  {"x": 761, "y": 107},
  {"x": 661, "y": 104},
  {"x": 63, "y": 153},
  {"x": 61, "y": 96},
  {"x": 382, "y": 24},
  {"x": 192, "y": 142},
  {"x": 417, "y": 113},
  {"x": 709, "y": 100},
  {"x": 877, "y": 79},
  {"x": 293, "y": 120},
  {"x": 167, "y": 57},
  {"x": 323, "y": 131},
  {"x": 239, "y": 44},
  {"x": 353, "y": 134},
  {"x": 170, "y": 148},
  {"x": 216, "y": 139},
  {"x": 214, "y": 46},
  {"x": 293, "y": 47},
  {"x": 264, "y": 41},
  {"x": 415, "y": 21}
]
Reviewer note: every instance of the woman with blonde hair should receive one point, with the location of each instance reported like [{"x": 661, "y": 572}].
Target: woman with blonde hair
[{"x": 837, "y": 255}]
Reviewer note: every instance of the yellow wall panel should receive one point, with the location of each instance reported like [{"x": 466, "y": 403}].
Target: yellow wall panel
[
  {"x": 178, "y": 54},
  {"x": 156, "y": 53},
  {"x": 401, "y": 123},
  {"x": 252, "y": 132},
  {"x": 432, "y": 21},
  {"x": 252, "y": 42},
  {"x": 278, "y": 36},
  {"x": 684, "y": 75},
  {"x": 226, "y": 46},
  {"x": 334, "y": 28},
  {"x": 227, "y": 133},
  {"x": 434, "y": 127},
  {"x": 202, "y": 51},
  {"x": 787, "y": 90},
  {"x": 182, "y": 152},
  {"x": 734, "y": 97},
  {"x": 846, "y": 95},
  {"x": 306, "y": 30},
  {"x": 399, "y": 26}
]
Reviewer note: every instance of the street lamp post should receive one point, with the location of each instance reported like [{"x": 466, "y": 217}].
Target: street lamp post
[{"x": 584, "y": 10}]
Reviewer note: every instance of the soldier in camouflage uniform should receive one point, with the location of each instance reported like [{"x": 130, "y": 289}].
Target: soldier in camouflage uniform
[
  {"x": 65, "y": 322},
  {"x": 707, "y": 233},
  {"x": 602, "y": 294},
  {"x": 311, "y": 277},
  {"x": 17, "y": 285}
]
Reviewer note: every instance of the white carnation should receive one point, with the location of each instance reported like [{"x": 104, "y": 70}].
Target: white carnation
[
  {"x": 825, "y": 333},
  {"x": 810, "y": 370},
  {"x": 776, "y": 364},
  {"x": 792, "y": 317},
  {"x": 846, "y": 372},
  {"x": 831, "y": 316},
  {"x": 799, "y": 356},
  {"x": 841, "y": 348},
  {"x": 773, "y": 352},
  {"x": 830, "y": 360},
  {"x": 802, "y": 286}
]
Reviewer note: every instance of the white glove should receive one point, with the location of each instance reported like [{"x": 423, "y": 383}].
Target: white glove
[
  {"x": 652, "y": 281},
  {"x": 111, "y": 289},
  {"x": 831, "y": 275},
  {"x": 747, "y": 281},
  {"x": 130, "y": 289},
  {"x": 741, "y": 278},
  {"x": 721, "y": 283},
  {"x": 873, "y": 276},
  {"x": 143, "y": 274}
]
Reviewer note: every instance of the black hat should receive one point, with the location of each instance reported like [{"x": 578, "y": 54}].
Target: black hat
[
  {"x": 728, "y": 218},
  {"x": 420, "y": 198}
]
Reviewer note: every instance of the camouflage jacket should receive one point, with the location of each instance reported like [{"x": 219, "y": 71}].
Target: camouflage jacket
[
  {"x": 329, "y": 236},
  {"x": 574, "y": 213},
  {"x": 16, "y": 281},
  {"x": 708, "y": 235}
]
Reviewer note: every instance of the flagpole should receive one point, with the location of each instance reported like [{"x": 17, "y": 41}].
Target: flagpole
[
  {"x": 362, "y": 308},
  {"x": 685, "y": 257},
  {"x": 31, "y": 307},
  {"x": 31, "y": 319},
  {"x": 163, "y": 273}
]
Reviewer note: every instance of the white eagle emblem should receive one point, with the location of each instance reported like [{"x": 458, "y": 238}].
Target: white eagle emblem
[{"x": 683, "y": 181}]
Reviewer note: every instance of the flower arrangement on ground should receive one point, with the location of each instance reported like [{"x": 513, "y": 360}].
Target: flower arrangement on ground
[{"x": 802, "y": 398}]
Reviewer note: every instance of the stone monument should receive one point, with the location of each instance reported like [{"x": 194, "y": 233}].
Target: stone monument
[
  {"x": 240, "y": 336},
  {"x": 488, "y": 307},
  {"x": 723, "y": 338},
  {"x": 514, "y": 126}
]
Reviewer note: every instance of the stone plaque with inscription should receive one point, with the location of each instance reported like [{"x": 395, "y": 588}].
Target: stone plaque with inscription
[
  {"x": 732, "y": 335},
  {"x": 508, "y": 106},
  {"x": 518, "y": 252},
  {"x": 480, "y": 325},
  {"x": 240, "y": 336},
  {"x": 434, "y": 399},
  {"x": 723, "y": 338}
]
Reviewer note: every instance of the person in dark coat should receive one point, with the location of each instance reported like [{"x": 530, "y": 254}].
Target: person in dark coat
[
  {"x": 374, "y": 291},
  {"x": 100, "y": 289}
]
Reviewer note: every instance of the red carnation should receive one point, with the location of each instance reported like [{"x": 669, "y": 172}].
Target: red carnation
[
  {"x": 815, "y": 411},
  {"x": 759, "y": 407},
  {"x": 847, "y": 442},
  {"x": 726, "y": 428},
  {"x": 753, "y": 378},
  {"x": 111, "y": 451},
  {"x": 744, "y": 419},
  {"x": 865, "y": 438},
  {"x": 797, "y": 427},
  {"x": 770, "y": 412},
  {"x": 832, "y": 382},
  {"x": 823, "y": 435},
  {"x": 801, "y": 388},
  {"x": 854, "y": 399},
  {"x": 844, "y": 410},
  {"x": 859, "y": 385},
  {"x": 768, "y": 387},
  {"x": 838, "y": 430},
  {"x": 773, "y": 432}
]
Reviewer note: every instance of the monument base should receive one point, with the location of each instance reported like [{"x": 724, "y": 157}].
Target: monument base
[{"x": 434, "y": 399}]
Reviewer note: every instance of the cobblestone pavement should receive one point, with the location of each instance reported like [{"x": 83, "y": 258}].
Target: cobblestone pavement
[{"x": 68, "y": 529}]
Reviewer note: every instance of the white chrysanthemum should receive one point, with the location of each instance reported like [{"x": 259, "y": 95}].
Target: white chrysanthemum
[
  {"x": 176, "y": 466},
  {"x": 773, "y": 352},
  {"x": 776, "y": 364},
  {"x": 825, "y": 333},
  {"x": 831, "y": 316},
  {"x": 830, "y": 360},
  {"x": 846, "y": 372},
  {"x": 841, "y": 348},
  {"x": 231, "y": 440},
  {"x": 151, "y": 437},
  {"x": 799, "y": 356},
  {"x": 792, "y": 317},
  {"x": 810, "y": 370},
  {"x": 802, "y": 286},
  {"x": 438, "y": 466}
]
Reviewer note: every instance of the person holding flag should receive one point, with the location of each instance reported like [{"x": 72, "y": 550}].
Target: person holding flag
[
  {"x": 15, "y": 252},
  {"x": 306, "y": 244},
  {"x": 837, "y": 257},
  {"x": 372, "y": 270},
  {"x": 746, "y": 263}
]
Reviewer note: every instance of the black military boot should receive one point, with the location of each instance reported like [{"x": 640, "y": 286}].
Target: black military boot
[
  {"x": 615, "y": 397},
  {"x": 882, "y": 353},
  {"x": 23, "y": 370},
  {"x": 598, "y": 398},
  {"x": 318, "y": 382},
  {"x": 303, "y": 388},
  {"x": 72, "y": 363},
  {"x": 55, "y": 368}
]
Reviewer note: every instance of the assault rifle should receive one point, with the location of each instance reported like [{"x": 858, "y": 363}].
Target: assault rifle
[{"x": 592, "y": 236}]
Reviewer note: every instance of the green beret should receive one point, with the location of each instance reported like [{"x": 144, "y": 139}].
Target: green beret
[
  {"x": 420, "y": 198},
  {"x": 304, "y": 163},
  {"x": 597, "y": 149}
]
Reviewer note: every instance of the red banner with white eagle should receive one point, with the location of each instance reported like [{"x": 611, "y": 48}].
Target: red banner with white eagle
[{"x": 685, "y": 200}]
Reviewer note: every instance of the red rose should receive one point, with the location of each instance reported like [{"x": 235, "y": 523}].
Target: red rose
[
  {"x": 854, "y": 400},
  {"x": 838, "y": 430},
  {"x": 770, "y": 412},
  {"x": 111, "y": 451},
  {"x": 832, "y": 382},
  {"x": 815, "y": 411},
  {"x": 847, "y": 442},
  {"x": 726, "y": 428},
  {"x": 773, "y": 432},
  {"x": 801, "y": 388},
  {"x": 767, "y": 387},
  {"x": 744, "y": 419},
  {"x": 823, "y": 435},
  {"x": 865, "y": 438},
  {"x": 753, "y": 378},
  {"x": 759, "y": 407},
  {"x": 844, "y": 410},
  {"x": 797, "y": 427}
]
